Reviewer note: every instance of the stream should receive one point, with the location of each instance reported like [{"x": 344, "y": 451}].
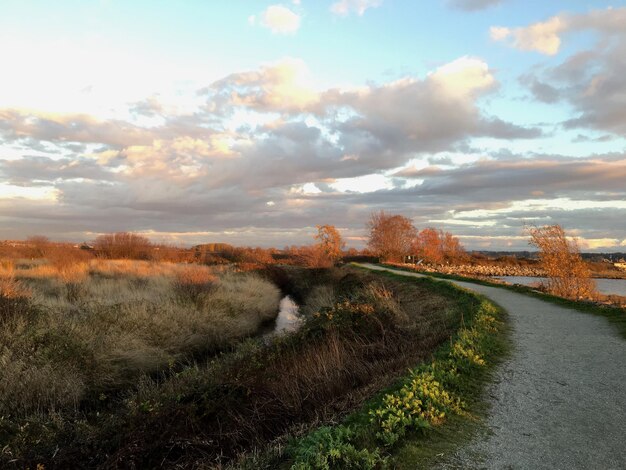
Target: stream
[{"x": 288, "y": 320}]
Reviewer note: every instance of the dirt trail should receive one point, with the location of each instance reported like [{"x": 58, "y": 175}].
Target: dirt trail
[{"x": 559, "y": 401}]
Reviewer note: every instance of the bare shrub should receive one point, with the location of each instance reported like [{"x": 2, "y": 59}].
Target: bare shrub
[
  {"x": 13, "y": 297},
  {"x": 568, "y": 275},
  {"x": 192, "y": 281},
  {"x": 123, "y": 245},
  {"x": 313, "y": 257}
]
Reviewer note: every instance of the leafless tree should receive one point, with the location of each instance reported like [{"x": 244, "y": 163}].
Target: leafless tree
[
  {"x": 123, "y": 245},
  {"x": 568, "y": 275}
]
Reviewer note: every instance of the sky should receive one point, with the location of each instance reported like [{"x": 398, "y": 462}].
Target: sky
[{"x": 251, "y": 122}]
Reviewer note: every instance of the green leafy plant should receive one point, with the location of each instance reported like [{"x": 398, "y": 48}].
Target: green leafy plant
[{"x": 329, "y": 448}]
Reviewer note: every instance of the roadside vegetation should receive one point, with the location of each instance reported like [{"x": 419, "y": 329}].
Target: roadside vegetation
[
  {"x": 125, "y": 354},
  {"x": 126, "y": 370},
  {"x": 567, "y": 274},
  {"x": 387, "y": 432},
  {"x": 613, "y": 308},
  {"x": 75, "y": 334}
]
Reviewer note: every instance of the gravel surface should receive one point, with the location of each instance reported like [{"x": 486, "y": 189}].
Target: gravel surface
[{"x": 559, "y": 401}]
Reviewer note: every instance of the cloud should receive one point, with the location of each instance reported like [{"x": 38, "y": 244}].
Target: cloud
[
  {"x": 149, "y": 107},
  {"x": 591, "y": 81},
  {"x": 549, "y": 175},
  {"x": 32, "y": 170},
  {"x": 543, "y": 92},
  {"x": 52, "y": 127},
  {"x": 387, "y": 122},
  {"x": 473, "y": 5},
  {"x": 280, "y": 20},
  {"x": 246, "y": 158},
  {"x": 545, "y": 36},
  {"x": 345, "y": 7},
  {"x": 540, "y": 37},
  {"x": 278, "y": 87}
]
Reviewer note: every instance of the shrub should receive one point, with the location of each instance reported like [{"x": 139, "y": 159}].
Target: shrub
[
  {"x": 192, "y": 281},
  {"x": 419, "y": 404},
  {"x": 331, "y": 448},
  {"x": 568, "y": 275}
]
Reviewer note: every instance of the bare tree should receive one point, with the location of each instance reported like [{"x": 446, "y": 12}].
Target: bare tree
[
  {"x": 123, "y": 245},
  {"x": 330, "y": 241},
  {"x": 568, "y": 275},
  {"x": 391, "y": 236},
  {"x": 39, "y": 246}
]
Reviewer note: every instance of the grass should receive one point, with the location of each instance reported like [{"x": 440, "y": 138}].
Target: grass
[
  {"x": 400, "y": 427},
  {"x": 75, "y": 333},
  {"x": 208, "y": 414},
  {"x": 615, "y": 315}
]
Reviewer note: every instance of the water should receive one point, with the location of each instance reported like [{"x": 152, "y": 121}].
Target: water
[
  {"x": 604, "y": 286},
  {"x": 288, "y": 319}
]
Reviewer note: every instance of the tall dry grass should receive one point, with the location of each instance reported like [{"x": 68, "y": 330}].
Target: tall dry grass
[{"x": 88, "y": 328}]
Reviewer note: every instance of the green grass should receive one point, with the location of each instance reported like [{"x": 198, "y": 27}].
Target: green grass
[
  {"x": 425, "y": 413},
  {"x": 615, "y": 315}
]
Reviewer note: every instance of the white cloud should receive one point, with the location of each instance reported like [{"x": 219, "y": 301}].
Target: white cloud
[
  {"x": 280, "y": 20},
  {"x": 345, "y": 7},
  {"x": 464, "y": 76},
  {"x": 283, "y": 86},
  {"x": 545, "y": 36},
  {"x": 541, "y": 37}
]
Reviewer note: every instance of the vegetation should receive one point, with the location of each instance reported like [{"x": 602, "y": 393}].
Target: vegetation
[
  {"x": 568, "y": 275},
  {"x": 393, "y": 237},
  {"x": 76, "y": 333},
  {"x": 613, "y": 312},
  {"x": 122, "y": 245},
  {"x": 360, "y": 335},
  {"x": 437, "y": 247},
  {"x": 382, "y": 434},
  {"x": 330, "y": 242},
  {"x": 390, "y": 236}
]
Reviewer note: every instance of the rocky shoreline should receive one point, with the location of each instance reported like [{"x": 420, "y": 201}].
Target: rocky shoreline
[
  {"x": 474, "y": 270},
  {"x": 484, "y": 270}
]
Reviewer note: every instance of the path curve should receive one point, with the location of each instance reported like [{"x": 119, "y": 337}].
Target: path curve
[{"x": 559, "y": 401}]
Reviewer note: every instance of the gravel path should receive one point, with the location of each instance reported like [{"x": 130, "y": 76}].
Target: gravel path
[{"x": 559, "y": 401}]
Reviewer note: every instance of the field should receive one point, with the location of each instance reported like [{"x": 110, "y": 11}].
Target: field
[{"x": 136, "y": 364}]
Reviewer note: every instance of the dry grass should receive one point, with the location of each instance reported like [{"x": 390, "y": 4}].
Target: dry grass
[
  {"x": 64, "y": 358},
  {"x": 83, "y": 329},
  {"x": 343, "y": 354}
]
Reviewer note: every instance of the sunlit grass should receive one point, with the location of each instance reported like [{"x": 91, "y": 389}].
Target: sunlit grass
[{"x": 77, "y": 331}]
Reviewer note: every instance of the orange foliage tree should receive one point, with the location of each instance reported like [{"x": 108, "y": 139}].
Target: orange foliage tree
[
  {"x": 391, "y": 236},
  {"x": 568, "y": 275},
  {"x": 436, "y": 246},
  {"x": 330, "y": 241}
]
